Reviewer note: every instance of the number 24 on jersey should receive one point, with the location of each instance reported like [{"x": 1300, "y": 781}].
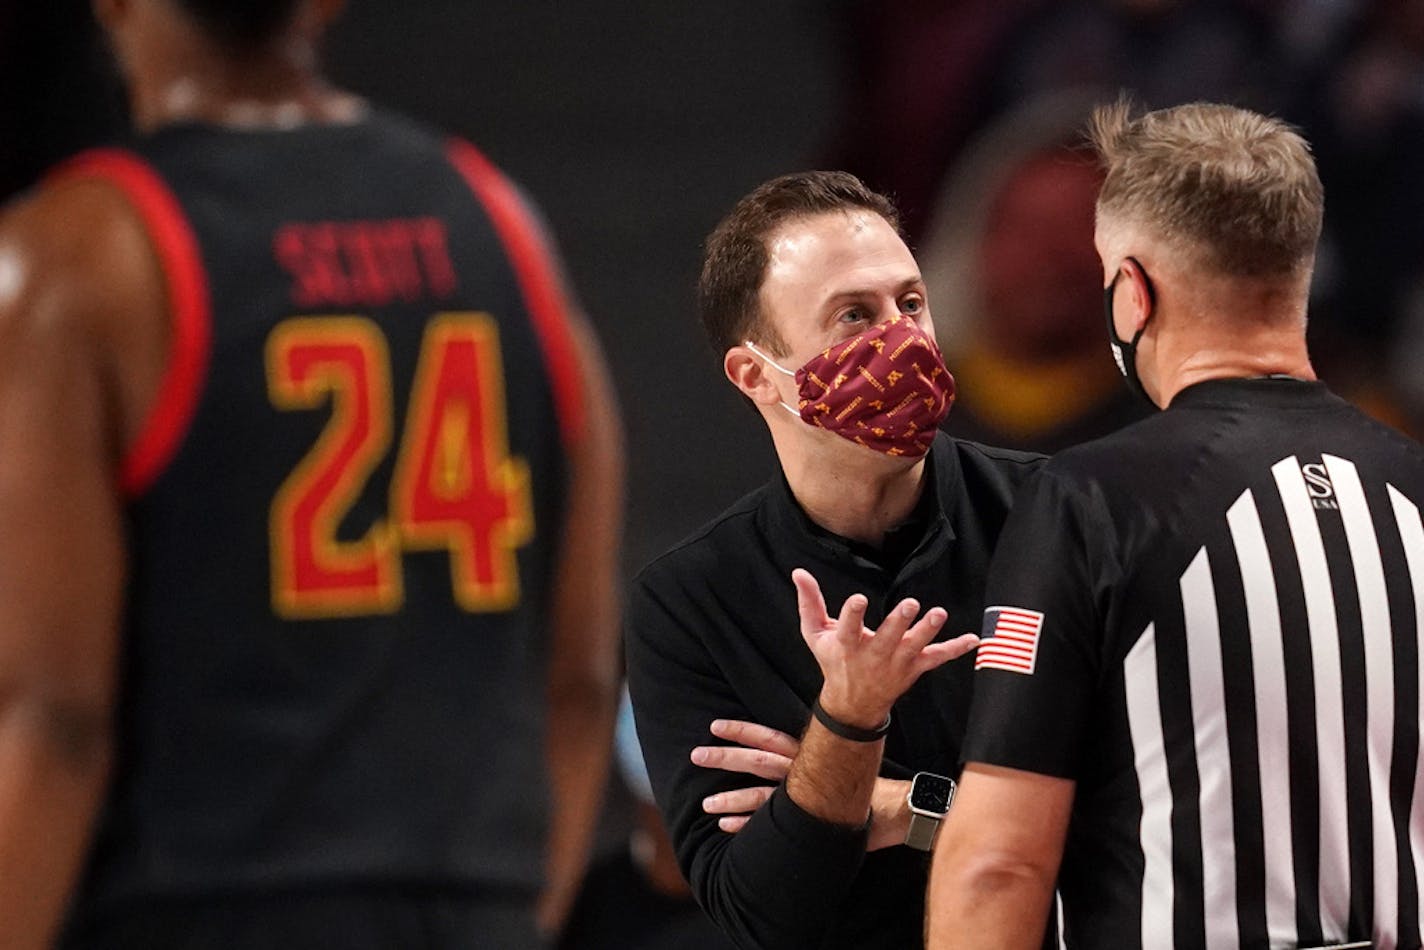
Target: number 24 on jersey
[{"x": 455, "y": 486}]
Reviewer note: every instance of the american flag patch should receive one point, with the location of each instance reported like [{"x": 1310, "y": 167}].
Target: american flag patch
[{"x": 1012, "y": 643}]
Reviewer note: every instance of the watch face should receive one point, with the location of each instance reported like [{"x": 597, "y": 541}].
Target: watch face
[{"x": 931, "y": 793}]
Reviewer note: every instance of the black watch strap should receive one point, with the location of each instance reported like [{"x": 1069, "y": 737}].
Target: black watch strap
[{"x": 846, "y": 731}]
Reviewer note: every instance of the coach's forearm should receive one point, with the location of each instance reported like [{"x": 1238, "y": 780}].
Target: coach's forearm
[{"x": 832, "y": 778}]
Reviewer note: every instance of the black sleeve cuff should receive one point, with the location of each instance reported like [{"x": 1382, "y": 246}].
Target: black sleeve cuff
[{"x": 807, "y": 830}]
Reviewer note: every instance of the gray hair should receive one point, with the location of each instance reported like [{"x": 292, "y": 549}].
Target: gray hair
[{"x": 1235, "y": 192}]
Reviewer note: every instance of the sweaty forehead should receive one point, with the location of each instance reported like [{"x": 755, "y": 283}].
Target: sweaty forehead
[{"x": 838, "y": 246}]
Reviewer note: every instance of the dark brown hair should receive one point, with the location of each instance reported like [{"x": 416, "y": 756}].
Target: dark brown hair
[{"x": 735, "y": 258}]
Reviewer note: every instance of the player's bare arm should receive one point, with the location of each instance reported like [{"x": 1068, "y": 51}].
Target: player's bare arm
[
  {"x": 80, "y": 325},
  {"x": 583, "y": 686}
]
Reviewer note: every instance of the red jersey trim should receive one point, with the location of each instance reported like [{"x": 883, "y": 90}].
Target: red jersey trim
[
  {"x": 538, "y": 280},
  {"x": 189, "y": 302}
]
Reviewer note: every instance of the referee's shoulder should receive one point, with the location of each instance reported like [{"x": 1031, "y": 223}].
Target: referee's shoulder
[
  {"x": 1135, "y": 454},
  {"x": 1013, "y": 464},
  {"x": 1386, "y": 434},
  {"x": 988, "y": 476},
  {"x": 1014, "y": 460}
]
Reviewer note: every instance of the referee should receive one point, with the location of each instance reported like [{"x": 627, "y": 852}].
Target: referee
[{"x": 1199, "y": 685}]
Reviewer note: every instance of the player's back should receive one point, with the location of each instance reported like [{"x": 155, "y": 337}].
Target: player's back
[
  {"x": 342, "y": 520},
  {"x": 1262, "y": 673}
]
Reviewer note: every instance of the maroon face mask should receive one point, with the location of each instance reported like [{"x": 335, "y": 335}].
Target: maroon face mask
[{"x": 886, "y": 389}]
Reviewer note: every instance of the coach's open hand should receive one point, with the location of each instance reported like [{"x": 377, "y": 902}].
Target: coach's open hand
[{"x": 867, "y": 670}]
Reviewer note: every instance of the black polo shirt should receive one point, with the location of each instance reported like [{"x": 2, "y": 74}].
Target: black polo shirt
[{"x": 713, "y": 633}]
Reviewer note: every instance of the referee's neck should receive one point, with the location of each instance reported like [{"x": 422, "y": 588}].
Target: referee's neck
[
  {"x": 1262, "y": 352},
  {"x": 1211, "y": 326}
]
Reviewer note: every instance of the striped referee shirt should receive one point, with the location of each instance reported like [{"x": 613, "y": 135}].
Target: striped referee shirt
[{"x": 1210, "y": 621}]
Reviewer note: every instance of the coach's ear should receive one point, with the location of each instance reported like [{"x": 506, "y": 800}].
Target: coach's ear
[{"x": 748, "y": 372}]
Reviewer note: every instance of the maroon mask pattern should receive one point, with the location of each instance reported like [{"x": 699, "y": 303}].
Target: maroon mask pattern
[{"x": 886, "y": 389}]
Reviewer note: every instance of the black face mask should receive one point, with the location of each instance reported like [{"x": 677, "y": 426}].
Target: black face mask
[{"x": 1125, "y": 352}]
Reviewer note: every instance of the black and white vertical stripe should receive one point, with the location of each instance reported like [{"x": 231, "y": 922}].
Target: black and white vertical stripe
[{"x": 1292, "y": 804}]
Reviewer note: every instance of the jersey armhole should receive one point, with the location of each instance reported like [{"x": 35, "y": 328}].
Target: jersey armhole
[
  {"x": 189, "y": 304},
  {"x": 539, "y": 279}
]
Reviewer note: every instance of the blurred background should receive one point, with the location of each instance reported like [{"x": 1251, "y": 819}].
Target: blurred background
[{"x": 635, "y": 124}]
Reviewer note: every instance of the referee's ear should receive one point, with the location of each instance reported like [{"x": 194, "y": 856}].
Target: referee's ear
[{"x": 1141, "y": 295}]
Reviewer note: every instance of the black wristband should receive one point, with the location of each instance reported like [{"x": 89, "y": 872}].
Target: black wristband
[{"x": 853, "y": 733}]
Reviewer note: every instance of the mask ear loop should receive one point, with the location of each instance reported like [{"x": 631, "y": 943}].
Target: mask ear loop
[
  {"x": 1147, "y": 282},
  {"x": 1151, "y": 298},
  {"x": 1125, "y": 351},
  {"x": 757, "y": 350},
  {"x": 778, "y": 367}
]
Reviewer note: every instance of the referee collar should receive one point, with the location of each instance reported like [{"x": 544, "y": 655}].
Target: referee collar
[
  {"x": 1284, "y": 392},
  {"x": 942, "y": 476}
]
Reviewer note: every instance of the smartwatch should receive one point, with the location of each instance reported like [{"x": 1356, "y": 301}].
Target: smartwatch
[{"x": 929, "y": 798}]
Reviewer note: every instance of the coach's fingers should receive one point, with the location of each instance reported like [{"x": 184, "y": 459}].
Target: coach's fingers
[
  {"x": 938, "y": 654},
  {"x": 732, "y": 823},
  {"x": 850, "y": 625},
  {"x": 739, "y": 801},
  {"x": 892, "y": 629},
  {"x": 756, "y": 736},
  {"x": 810, "y": 604},
  {"x": 924, "y": 630},
  {"x": 767, "y": 765}
]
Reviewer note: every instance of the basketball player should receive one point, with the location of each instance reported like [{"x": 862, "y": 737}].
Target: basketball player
[{"x": 310, "y": 493}]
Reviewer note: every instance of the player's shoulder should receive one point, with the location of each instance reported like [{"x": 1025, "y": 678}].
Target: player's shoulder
[
  {"x": 67, "y": 219},
  {"x": 74, "y": 248},
  {"x": 399, "y": 132},
  {"x": 406, "y": 137}
]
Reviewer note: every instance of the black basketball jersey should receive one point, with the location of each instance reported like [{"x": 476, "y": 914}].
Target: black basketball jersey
[
  {"x": 1210, "y": 621},
  {"x": 343, "y": 518}
]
